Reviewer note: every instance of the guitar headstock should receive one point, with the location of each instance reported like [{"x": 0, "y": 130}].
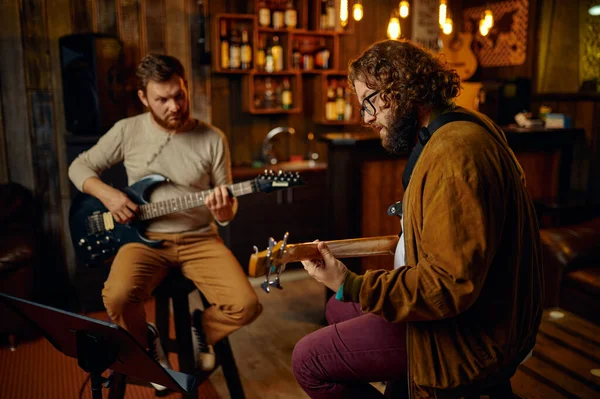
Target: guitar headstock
[
  {"x": 270, "y": 181},
  {"x": 269, "y": 261}
]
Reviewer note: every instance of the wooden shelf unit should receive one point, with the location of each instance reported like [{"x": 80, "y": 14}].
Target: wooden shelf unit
[
  {"x": 307, "y": 30},
  {"x": 252, "y": 89},
  {"x": 323, "y": 82}
]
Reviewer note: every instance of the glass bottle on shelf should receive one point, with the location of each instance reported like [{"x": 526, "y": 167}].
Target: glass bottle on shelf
[
  {"x": 322, "y": 56},
  {"x": 296, "y": 56},
  {"x": 235, "y": 50},
  {"x": 264, "y": 14},
  {"x": 224, "y": 61},
  {"x": 348, "y": 106},
  {"x": 291, "y": 15},
  {"x": 278, "y": 16},
  {"x": 269, "y": 59},
  {"x": 260, "y": 54},
  {"x": 246, "y": 55},
  {"x": 323, "y": 17},
  {"x": 330, "y": 105},
  {"x": 269, "y": 101},
  {"x": 286, "y": 94},
  {"x": 330, "y": 15},
  {"x": 340, "y": 103},
  {"x": 277, "y": 51}
]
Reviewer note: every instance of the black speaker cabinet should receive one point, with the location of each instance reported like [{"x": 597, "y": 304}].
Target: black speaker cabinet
[{"x": 93, "y": 82}]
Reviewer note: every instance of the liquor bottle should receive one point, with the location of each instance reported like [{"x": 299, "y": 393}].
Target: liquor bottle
[
  {"x": 224, "y": 46},
  {"x": 246, "y": 50},
  {"x": 340, "y": 103},
  {"x": 260, "y": 54},
  {"x": 264, "y": 14},
  {"x": 296, "y": 56},
  {"x": 269, "y": 94},
  {"x": 235, "y": 50},
  {"x": 330, "y": 15},
  {"x": 323, "y": 17},
  {"x": 286, "y": 95},
  {"x": 322, "y": 56},
  {"x": 348, "y": 107},
  {"x": 278, "y": 16},
  {"x": 269, "y": 59},
  {"x": 277, "y": 51},
  {"x": 291, "y": 16},
  {"x": 330, "y": 105}
]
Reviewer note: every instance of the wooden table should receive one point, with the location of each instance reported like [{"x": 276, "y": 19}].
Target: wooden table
[{"x": 565, "y": 361}]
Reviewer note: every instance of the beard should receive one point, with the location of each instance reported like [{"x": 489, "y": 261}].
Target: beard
[
  {"x": 402, "y": 131},
  {"x": 170, "y": 123}
]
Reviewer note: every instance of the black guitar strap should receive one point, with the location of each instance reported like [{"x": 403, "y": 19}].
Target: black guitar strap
[{"x": 424, "y": 135}]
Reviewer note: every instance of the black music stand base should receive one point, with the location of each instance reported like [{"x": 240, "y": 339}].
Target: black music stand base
[{"x": 95, "y": 356}]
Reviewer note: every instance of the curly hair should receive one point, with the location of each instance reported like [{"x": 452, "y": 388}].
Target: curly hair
[
  {"x": 159, "y": 68},
  {"x": 406, "y": 75}
]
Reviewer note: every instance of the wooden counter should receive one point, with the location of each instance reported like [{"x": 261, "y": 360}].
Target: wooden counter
[{"x": 364, "y": 179}]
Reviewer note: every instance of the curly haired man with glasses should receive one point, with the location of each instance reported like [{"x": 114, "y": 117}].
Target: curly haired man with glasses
[{"x": 462, "y": 306}]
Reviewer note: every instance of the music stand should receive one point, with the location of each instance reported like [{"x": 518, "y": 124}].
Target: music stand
[{"x": 98, "y": 345}]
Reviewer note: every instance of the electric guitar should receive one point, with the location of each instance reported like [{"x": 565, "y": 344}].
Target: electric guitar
[
  {"x": 274, "y": 259},
  {"x": 97, "y": 237}
]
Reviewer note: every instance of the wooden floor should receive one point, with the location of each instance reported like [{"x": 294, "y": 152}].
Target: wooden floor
[
  {"x": 565, "y": 361},
  {"x": 566, "y": 355}
]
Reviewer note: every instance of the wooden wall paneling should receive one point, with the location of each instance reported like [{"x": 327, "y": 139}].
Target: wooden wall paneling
[
  {"x": 35, "y": 45},
  {"x": 59, "y": 24},
  {"x": 594, "y": 185},
  {"x": 541, "y": 171},
  {"x": 106, "y": 17},
  {"x": 3, "y": 155},
  {"x": 177, "y": 35},
  {"x": 128, "y": 22},
  {"x": 12, "y": 77},
  {"x": 200, "y": 73},
  {"x": 83, "y": 18}
]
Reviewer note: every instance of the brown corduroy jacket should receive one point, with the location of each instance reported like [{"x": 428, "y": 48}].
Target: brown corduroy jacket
[{"x": 471, "y": 294}]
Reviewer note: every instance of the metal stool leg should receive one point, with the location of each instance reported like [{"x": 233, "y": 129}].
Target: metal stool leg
[
  {"x": 185, "y": 349},
  {"x": 230, "y": 371}
]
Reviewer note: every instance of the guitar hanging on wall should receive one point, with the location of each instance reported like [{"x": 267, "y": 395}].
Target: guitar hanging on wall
[
  {"x": 457, "y": 47},
  {"x": 97, "y": 237},
  {"x": 272, "y": 261}
]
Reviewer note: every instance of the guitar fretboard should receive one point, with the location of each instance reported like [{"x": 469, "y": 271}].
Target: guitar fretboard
[{"x": 193, "y": 200}]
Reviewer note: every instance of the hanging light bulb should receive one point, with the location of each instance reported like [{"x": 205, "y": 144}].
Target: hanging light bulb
[
  {"x": 393, "y": 30},
  {"x": 404, "y": 6},
  {"x": 483, "y": 28},
  {"x": 488, "y": 18},
  {"x": 447, "y": 28},
  {"x": 344, "y": 12},
  {"x": 443, "y": 10},
  {"x": 357, "y": 10}
]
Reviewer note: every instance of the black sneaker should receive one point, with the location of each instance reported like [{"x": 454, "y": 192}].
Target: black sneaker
[
  {"x": 204, "y": 354},
  {"x": 156, "y": 350}
]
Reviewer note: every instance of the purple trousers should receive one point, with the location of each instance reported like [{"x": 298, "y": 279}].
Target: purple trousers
[{"x": 339, "y": 361}]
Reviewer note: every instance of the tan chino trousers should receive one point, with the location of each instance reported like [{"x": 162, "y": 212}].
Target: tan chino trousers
[{"x": 138, "y": 269}]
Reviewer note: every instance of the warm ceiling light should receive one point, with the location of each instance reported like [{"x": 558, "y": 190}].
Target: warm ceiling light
[
  {"x": 393, "y": 30},
  {"x": 443, "y": 10},
  {"x": 447, "y": 29},
  {"x": 483, "y": 28},
  {"x": 595, "y": 8},
  {"x": 357, "y": 11},
  {"x": 488, "y": 17},
  {"x": 344, "y": 12},
  {"x": 404, "y": 6}
]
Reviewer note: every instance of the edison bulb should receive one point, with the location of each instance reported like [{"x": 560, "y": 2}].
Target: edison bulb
[
  {"x": 404, "y": 9},
  {"x": 357, "y": 11},
  {"x": 393, "y": 30}
]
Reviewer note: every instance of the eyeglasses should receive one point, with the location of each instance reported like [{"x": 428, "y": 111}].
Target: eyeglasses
[{"x": 367, "y": 105}]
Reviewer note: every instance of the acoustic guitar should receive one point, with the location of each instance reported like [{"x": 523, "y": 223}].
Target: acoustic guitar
[
  {"x": 272, "y": 261},
  {"x": 459, "y": 55},
  {"x": 97, "y": 237}
]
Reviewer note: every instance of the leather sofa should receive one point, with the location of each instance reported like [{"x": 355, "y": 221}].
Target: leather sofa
[
  {"x": 19, "y": 216},
  {"x": 571, "y": 258}
]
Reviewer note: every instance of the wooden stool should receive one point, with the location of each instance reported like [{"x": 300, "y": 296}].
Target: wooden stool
[
  {"x": 399, "y": 390},
  {"x": 177, "y": 288}
]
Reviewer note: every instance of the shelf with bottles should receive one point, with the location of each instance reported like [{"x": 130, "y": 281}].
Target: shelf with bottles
[
  {"x": 272, "y": 53},
  {"x": 280, "y": 15},
  {"x": 336, "y": 104},
  {"x": 313, "y": 54},
  {"x": 234, "y": 38},
  {"x": 276, "y": 93},
  {"x": 324, "y": 16}
]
